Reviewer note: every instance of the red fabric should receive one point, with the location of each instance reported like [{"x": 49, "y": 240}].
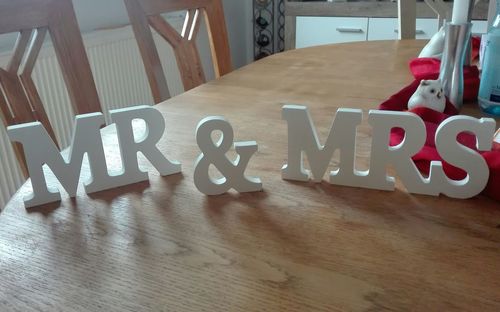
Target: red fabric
[{"x": 432, "y": 119}]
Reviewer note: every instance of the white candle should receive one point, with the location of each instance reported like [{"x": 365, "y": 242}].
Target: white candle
[{"x": 460, "y": 11}]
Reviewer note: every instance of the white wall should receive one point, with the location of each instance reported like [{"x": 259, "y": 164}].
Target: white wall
[{"x": 240, "y": 30}]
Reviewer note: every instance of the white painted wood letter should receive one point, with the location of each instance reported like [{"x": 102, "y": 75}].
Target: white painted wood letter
[
  {"x": 400, "y": 156},
  {"x": 39, "y": 149},
  {"x": 129, "y": 147},
  {"x": 214, "y": 153},
  {"x": 463, "y": 157},
  {"x": 303, "y": 140}
]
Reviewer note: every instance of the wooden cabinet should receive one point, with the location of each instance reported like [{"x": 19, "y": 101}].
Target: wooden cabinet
[
  {"x": 387, "y": 28},
  {"x": 312, "y": 30},
  {"x": 302, "y": 19},
  {"x": 320, "y": 30}
]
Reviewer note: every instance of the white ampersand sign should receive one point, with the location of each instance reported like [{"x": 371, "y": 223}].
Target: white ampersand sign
[{"x": 213, "y": 153}]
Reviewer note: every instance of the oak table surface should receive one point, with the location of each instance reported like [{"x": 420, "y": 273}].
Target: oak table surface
[{"x": 164, "y": 246}]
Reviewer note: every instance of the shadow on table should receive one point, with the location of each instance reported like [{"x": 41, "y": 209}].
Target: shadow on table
[
  {"x": 265, "y": 214},
  {"x": 369, "y": 201},
  {"x": 403, "y": 211},
  {"x": 250, "y": 215},
  {"x": 107, "y": 197}
]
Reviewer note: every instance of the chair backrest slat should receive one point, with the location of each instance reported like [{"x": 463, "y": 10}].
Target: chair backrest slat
[
  {"x": 14, "y": 92},
  {"x": 34, "y": 50},
  {"x": 22, "y": 42},
  {"x": 186, "y": 52},
  {"x": 217, "y": 33},
  {"x": 19, "y": 99},
  {"x": 146, "y": 13}
]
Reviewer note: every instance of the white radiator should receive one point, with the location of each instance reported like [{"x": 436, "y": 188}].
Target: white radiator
[{"x": 120, "y": 79}]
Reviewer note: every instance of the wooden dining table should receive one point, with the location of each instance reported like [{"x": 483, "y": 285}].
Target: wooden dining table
[{"x": 295, "y": 246}]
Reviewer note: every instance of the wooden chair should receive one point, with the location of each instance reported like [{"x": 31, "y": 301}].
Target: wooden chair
[
  {"x": 407, "y": 17},
  {"x": 145, "y": 13},
  {"x": 19, "y": 98}
]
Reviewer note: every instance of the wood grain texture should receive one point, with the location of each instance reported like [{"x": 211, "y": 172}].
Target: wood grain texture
[
  {"x": 149, "y": 53},
  {"x": 164, "y": 246},
  {"x": 407, "y": 14},
  {"x": 290, "y": 32},
  {"x": 27, "y": 82},
  {"x": 217, "y": 33},
  {"x": 145, "y": 13},
  {"x": 16, "y": 97},
  {"x": 72, "y": 57},
  {"x": 185, "y": 50},
  {"x": 22, "y": 103},
  {"x": 20, "y": 46},
  {"x": 34, "y": 50}
]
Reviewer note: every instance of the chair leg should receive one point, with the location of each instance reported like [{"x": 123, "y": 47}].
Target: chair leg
[{"x": 407, "y": 18}]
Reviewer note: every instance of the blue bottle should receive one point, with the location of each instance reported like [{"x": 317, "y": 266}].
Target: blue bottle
[{"x": 489, "y": 90}]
